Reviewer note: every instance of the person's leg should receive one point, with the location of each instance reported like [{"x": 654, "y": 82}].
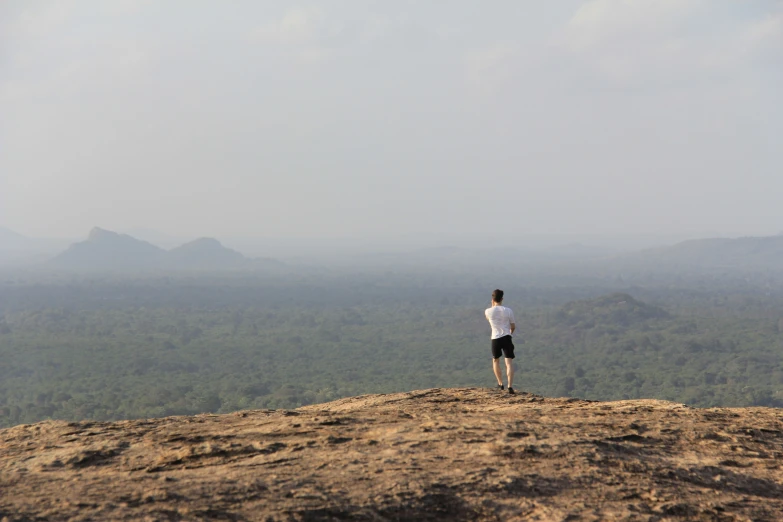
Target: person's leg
[
  {"x": 496, "y": 352},
  {"x": 496, "y": 368},
  {"x": 510, "y": 371}
]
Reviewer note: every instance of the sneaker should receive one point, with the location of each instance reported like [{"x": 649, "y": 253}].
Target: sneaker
[
  {"x": 511, "y": 391},
  {"x": 501, "y": 387}
]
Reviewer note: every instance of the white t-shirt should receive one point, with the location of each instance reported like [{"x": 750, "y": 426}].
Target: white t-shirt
[{"x": 500, "y": 318}]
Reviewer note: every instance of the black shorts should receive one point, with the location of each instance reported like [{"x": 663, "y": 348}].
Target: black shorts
[{"x": 503, "y": 344}]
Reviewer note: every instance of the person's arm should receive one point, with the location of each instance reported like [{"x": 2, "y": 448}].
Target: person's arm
[{"x": 511, "y": 320}]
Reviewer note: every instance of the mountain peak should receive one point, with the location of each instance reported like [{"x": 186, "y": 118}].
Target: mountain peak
[
  {"x": 99, "y": 234},
  {"x": 105, "y": 249},
  {"x": 204, "y": 242},
  {"x": 206, "y": 253}
]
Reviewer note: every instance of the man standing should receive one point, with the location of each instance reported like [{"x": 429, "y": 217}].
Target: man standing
[{"x": 501, "y": 319}]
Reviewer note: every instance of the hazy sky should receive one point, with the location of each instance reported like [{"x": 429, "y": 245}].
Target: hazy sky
[{"x": 447, "y": 119}]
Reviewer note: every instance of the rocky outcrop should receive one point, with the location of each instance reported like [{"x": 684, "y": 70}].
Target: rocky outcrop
[
  {"x": 441, "y": 454},
  {"x": 104, "y": 250}
]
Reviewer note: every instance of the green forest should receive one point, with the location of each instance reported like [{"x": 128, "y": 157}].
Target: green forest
[{"x": 116, "y": 348}]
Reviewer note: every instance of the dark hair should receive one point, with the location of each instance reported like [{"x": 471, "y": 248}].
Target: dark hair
[{"x": 497, "y": 295}]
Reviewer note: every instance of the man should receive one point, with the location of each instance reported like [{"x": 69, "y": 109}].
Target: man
[{"x": 501, "y": 319}]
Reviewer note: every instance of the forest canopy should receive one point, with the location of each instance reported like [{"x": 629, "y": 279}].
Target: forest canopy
[{"x": 115, "y": 348}]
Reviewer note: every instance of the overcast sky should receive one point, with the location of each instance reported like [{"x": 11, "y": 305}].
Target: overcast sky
[{"x": 392, "y": 119}]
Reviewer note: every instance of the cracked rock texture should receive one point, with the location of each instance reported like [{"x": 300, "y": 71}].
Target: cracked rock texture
[{"x": 441, "y": 454}]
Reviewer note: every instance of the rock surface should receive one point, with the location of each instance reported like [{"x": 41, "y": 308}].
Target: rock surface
[{"x": 441, "y": 454}]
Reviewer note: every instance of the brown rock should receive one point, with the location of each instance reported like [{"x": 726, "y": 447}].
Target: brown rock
[{"x": 441, "y": 454}]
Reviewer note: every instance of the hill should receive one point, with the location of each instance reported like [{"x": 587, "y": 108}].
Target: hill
[
  {"x": 106, "y": 250},
  {"x": 618, "y": 309},
  {"x": 744, "y": 253},
  {"x": 205, "y": 253},
  {"x": 109, "y": 251},
  {"x": 438, "y": 454},
  {"x": 17, "y": 250},
  {"x": 11, "y": 241}
]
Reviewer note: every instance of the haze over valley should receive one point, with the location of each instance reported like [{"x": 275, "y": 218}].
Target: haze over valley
[{"x": 252, "y": 209}]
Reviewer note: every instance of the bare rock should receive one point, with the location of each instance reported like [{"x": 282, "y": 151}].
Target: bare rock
[{"x": 440, "y": 454}]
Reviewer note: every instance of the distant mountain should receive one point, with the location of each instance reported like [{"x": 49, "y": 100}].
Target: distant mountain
[
  {"x": 471, "y": 256},
  {"x": 10, "y": 241},
  {"x": 205, "y": 253},
  {"x": 578, "y": 251},
  {"x": 106, "y": 250},
  {"x": 745, "y": 252},
  {"x": 17, "y": 250},
  {"x": 155, "y": 237}
]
